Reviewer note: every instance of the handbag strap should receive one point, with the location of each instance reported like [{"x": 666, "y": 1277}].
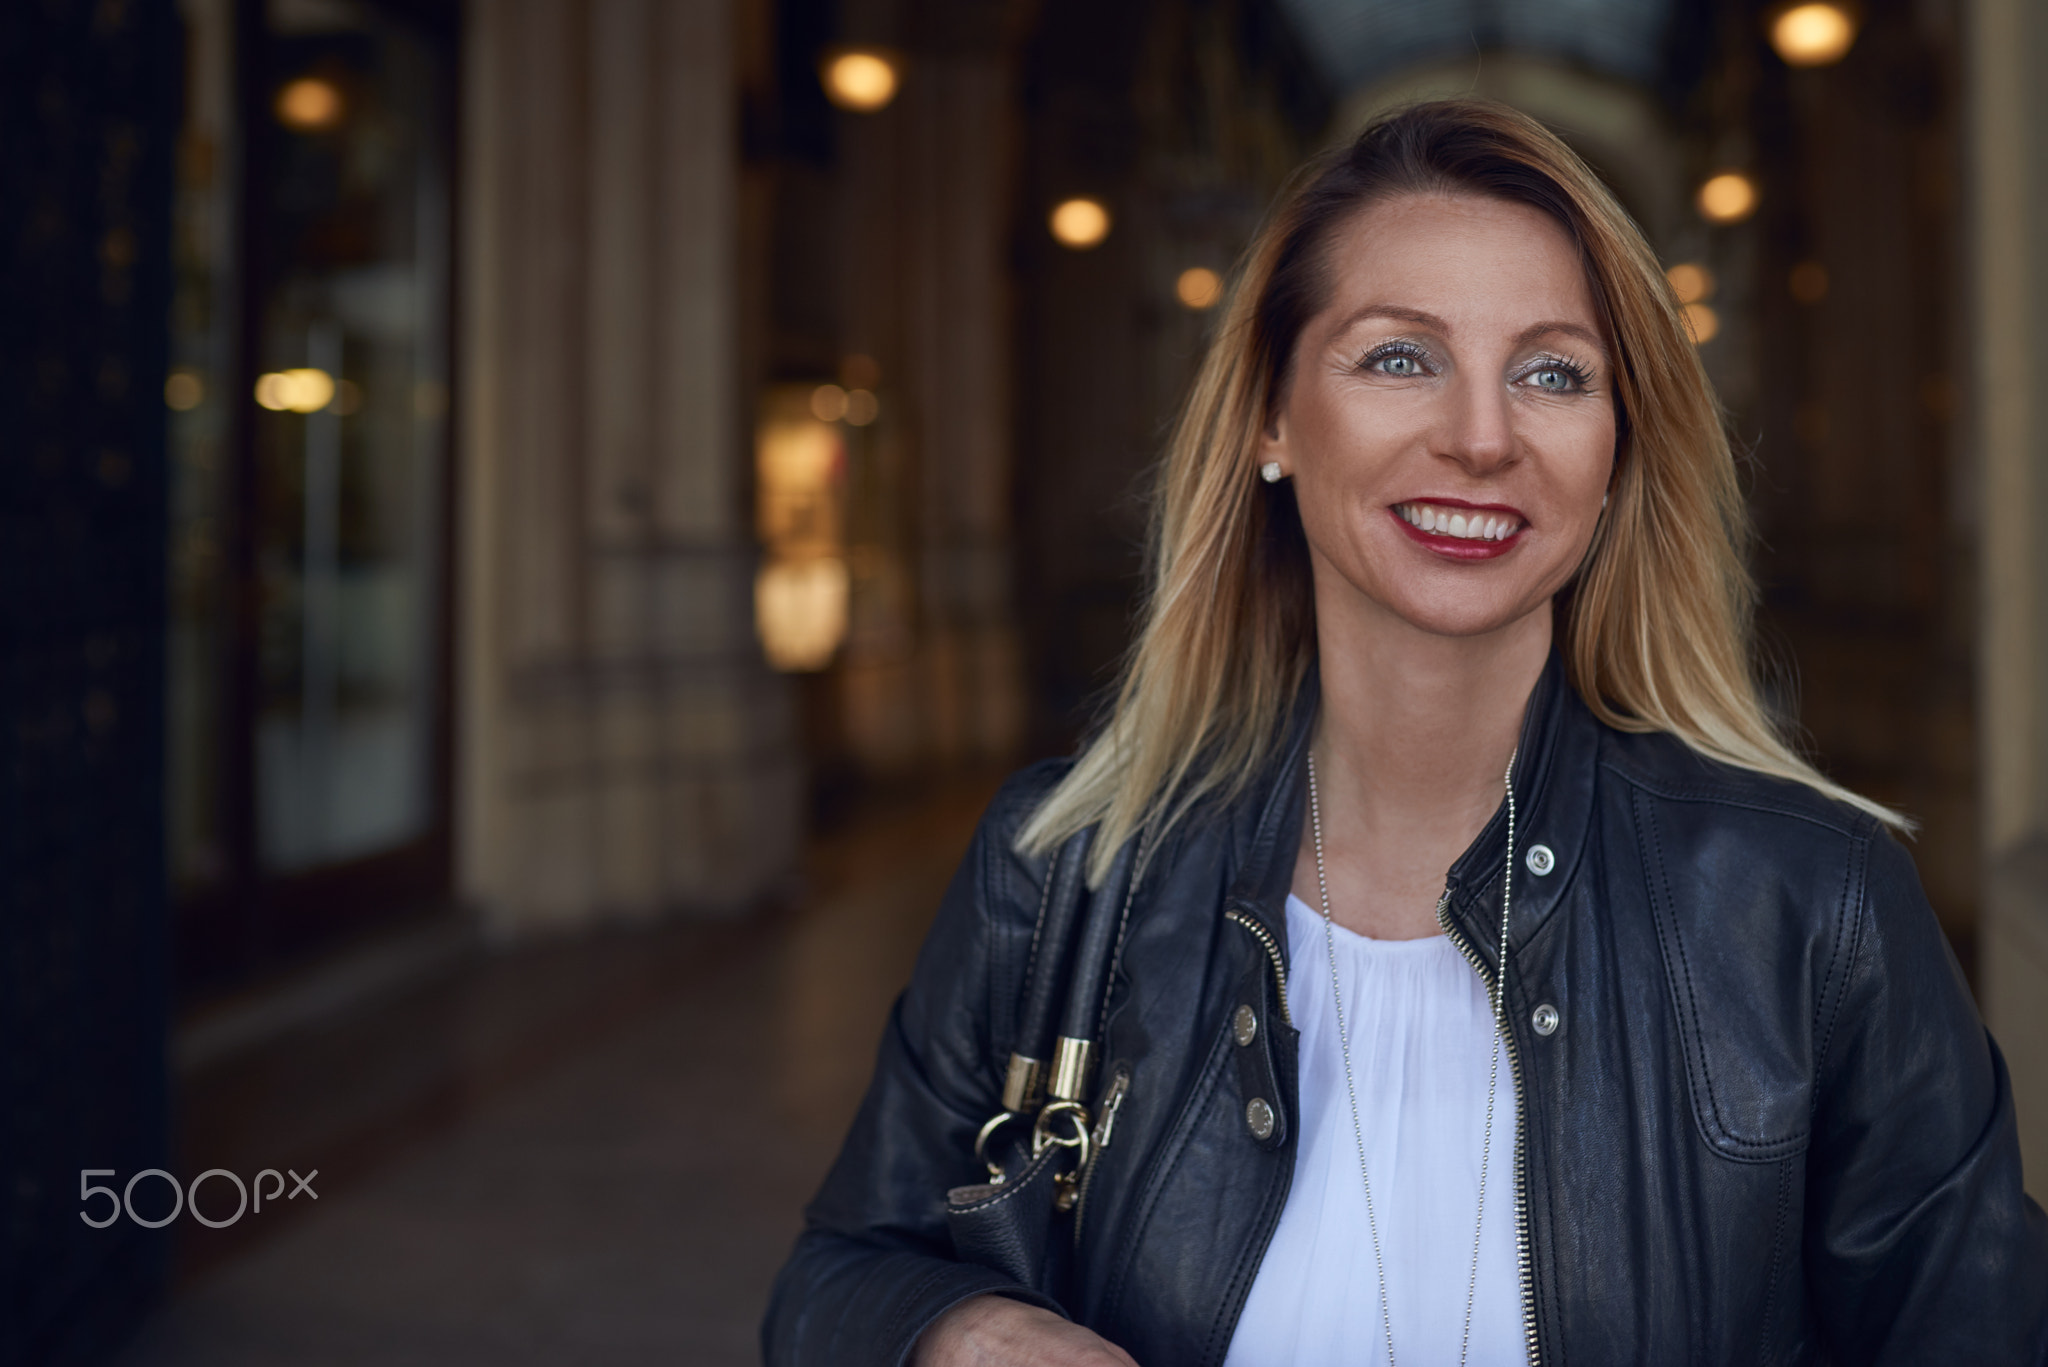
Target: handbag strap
[
  {"x": 1075, "y": 947},
  {"x": 1052, "y": 949}
]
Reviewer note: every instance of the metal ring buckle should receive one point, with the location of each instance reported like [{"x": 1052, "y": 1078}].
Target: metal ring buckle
[
  {"x": 995, "y": 1122},
  {"x": 1041, "y": 1136}
]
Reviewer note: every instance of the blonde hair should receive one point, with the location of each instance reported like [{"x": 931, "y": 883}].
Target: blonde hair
[{"x": 1656, "y": 628}]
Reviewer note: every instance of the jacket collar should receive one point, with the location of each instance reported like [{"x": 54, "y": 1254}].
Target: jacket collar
[{"x": 1553, "y": 787}]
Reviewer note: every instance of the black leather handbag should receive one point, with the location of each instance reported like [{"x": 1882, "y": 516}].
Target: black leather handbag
[{"x": 1041, "y": 1148}]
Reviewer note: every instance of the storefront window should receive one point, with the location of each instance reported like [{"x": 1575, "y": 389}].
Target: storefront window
[{"x": 310, "y": 402}]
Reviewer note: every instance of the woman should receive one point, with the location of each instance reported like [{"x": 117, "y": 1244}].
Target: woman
[{"x": 1447, "y": 646}]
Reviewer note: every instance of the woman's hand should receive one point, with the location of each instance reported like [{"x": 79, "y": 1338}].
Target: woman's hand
[{"x": 995, "y": 1331}]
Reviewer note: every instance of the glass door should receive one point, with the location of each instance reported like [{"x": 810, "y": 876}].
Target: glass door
[{"x": 311, "y": 432}]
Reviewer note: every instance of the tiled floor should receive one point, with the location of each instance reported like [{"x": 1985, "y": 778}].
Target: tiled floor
[{"x": 626, "y": 1194}]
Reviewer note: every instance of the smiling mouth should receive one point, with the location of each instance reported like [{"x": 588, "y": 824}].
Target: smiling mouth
[{"x": 1463, "y": 524}]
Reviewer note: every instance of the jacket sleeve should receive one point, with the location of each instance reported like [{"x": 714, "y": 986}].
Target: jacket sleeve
[
  {"x": 874, "y": 1266},
  {"x": 1921, "y": 1245}
]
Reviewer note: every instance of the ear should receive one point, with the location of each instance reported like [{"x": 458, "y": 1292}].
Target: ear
[{"x": 1273, "y": 443}]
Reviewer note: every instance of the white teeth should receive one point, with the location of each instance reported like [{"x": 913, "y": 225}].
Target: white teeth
[{"x": 1444, "y": 522}]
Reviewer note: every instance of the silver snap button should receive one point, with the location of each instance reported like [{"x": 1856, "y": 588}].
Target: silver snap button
[
  {"x": 1244, "y": 1026},
  {"x": 1258, "y": 1118},
  {"x": 1544, "y": 1018},
  {"x": 1541, "y": 860}
]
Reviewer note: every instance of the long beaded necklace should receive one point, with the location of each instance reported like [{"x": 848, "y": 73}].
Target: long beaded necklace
[{"x": 1315, "y": 808}]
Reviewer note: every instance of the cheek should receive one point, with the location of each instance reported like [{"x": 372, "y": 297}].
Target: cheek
[{"x": 1582, "y": 457}]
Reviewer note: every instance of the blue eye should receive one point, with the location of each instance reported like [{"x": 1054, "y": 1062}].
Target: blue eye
[
  {"x": 1559, "y": 377},
  {"x": 1400, "y": 363}
]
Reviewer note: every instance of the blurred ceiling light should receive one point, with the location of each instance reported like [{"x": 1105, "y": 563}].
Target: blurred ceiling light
[
  {"x": 183, "y": 390},
  {"x": 311, "y": 104},
  {"x": 828, "y": 403},
  {"x": 1702, "y": 322},
  {"x": 862, "y": 407},
  {"x": 1728, "y": 197},
  {"x": 1080, "y": 223},
  {"x": 1199, "y": 287},
  {"x": 295, "y": 391},
  {"x": 863, "y": 79},
  {"x": 1815, "y": 34},
  {"x": 800, "y": 612},
  {"x": 1691, "y": 282},
  {"x": 1808, "y": 282}
]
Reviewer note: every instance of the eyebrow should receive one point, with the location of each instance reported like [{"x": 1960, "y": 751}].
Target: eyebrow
[{"x": 1422, "y": 318}]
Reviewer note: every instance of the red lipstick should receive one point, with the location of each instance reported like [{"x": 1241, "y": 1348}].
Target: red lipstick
[{"x": 1452, "y": 547}]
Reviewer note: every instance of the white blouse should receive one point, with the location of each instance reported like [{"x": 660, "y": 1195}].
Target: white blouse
[{"x": 1422, "y": 1041}]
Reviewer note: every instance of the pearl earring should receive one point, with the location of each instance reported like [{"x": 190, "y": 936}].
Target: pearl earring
[{"x": 1270, "y": 472}]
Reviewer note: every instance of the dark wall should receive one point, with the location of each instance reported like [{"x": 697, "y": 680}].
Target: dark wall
[
  {"x": 1185, "y": 120},
  {"x": 1860, "y": 481},
  {"x": 88, "y": 113}
]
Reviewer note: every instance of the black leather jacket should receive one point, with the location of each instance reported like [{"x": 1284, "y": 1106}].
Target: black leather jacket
[{"x": 1768, "y": 1126}]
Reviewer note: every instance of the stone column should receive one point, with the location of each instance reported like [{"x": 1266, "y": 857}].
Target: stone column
[
  {"x": 957, "y": 172},
  {"x": 622, "y": 749},
  {"x": 2009, "y": 221},
  {"x": 925, "y": 216}
]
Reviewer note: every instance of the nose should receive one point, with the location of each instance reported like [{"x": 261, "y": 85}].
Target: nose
[{"x": 1478, "y": 432}]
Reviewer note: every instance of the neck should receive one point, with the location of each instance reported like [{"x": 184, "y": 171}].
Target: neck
[{"x": 1416, "y": 730}]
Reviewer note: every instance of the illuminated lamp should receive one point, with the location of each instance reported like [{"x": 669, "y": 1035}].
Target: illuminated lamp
[
  {"x": 184, "y": 389},
  {"x": 303, "y": 390},
  {"x": 1198, "y": 287},
  {"x": 1080, "y": 223},
  {"x": 1702, "y": 322},
  {"x": 862, "y": 79},
  {"x": 311, "y": 104},
  {"x": 1727, "y": 197},
  {"x": 1691, "y": 282},
  {"x": 1813, "y": 34}
]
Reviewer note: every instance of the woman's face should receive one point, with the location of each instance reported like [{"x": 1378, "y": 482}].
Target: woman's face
[{"x": 1449, "y": 423}]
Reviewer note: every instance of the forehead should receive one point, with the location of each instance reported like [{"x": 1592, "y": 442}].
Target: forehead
[{"x": 1466, "y": 258}]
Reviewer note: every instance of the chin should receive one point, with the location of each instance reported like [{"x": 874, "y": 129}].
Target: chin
[{"x": 1463, "y": 614}]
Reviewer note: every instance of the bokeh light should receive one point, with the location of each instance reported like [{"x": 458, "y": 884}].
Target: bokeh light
[
  {"x": 311, "y": 104},
  {"x": 1199, "y": 287},
  {"x": 1813, "y": 34},
  {"x": 183, "y": 390},
  {"x": 1691, "y": 282},
  {"x": 1702, "y": 322},
  {"x": 1728, "y": 197},
  {"x": 304, "y": 390},
  {"x": 1080, "y": 223},
  {"x": 861, "y": 79},
  {"x": 828, "y": 403},
  {"x": 1808, "y": 282}
]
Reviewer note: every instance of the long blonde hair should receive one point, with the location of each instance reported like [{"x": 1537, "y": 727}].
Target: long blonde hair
[{"x": 1657, "y": 628}]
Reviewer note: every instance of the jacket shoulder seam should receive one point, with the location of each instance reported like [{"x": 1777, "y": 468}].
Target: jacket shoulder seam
[
  {"x": 1848, "y": 936},
  {"x": 1729, "y": 795}
]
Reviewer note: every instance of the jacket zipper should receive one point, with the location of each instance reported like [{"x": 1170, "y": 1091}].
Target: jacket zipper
[
  {"x": 1266, "y": 941},
  {"x": 1105, "y": 1122},
  {"x": 1525, "y": 1266}
]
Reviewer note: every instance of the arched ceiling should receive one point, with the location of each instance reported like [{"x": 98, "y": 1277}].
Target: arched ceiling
[{"x": 1359, "y": 42}]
